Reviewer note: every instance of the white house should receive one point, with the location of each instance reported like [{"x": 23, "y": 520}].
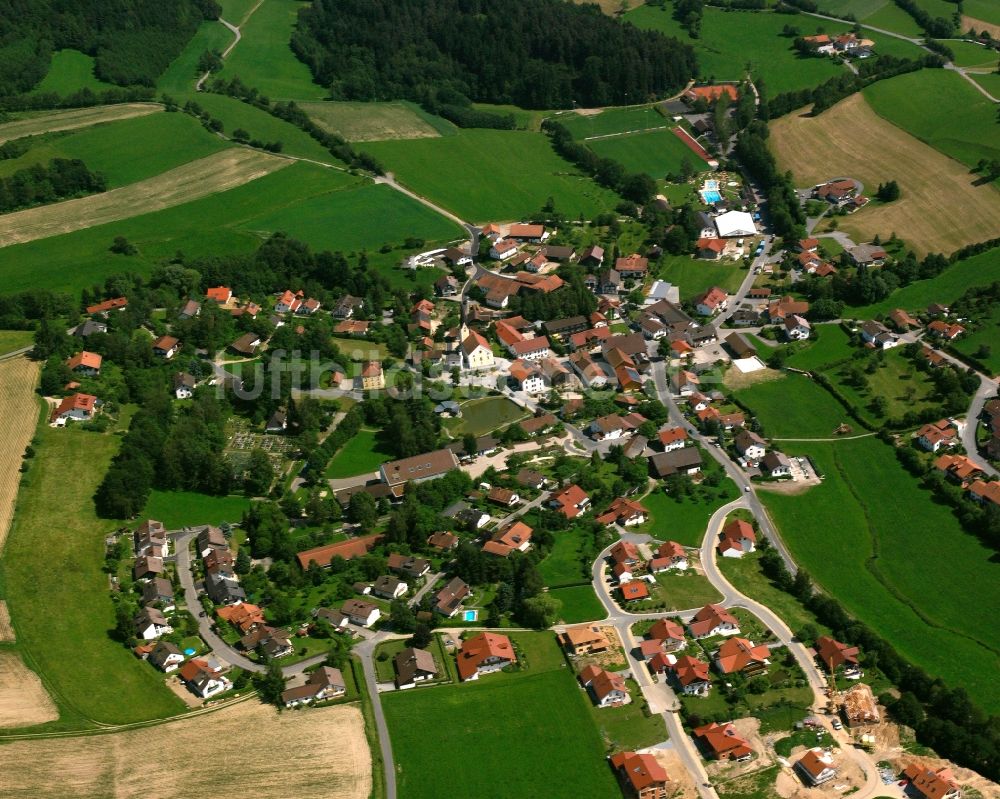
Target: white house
[
  {"x": 816, "y": 767},
  {"x": 797, "y": 328},
  {"x": 204, "y": 680},
  {"x": 503, "y": 249},
  {"x": 184, "y": 385},
  {"x": 151, "y": 624},
  {"x": 531, "y": 349},
  {"x": 166, "y": 657},
  {"x": 389, "y": 587},
  {"x": 750, "y": 445},
  {"x": 477, "y": 352},
  {"x": 166, "y": 347},
  {"x": 529, "y": 378},
  {"x": 361, "y": 613}
]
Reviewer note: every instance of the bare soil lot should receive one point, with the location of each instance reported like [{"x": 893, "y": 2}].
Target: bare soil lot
[
  {"x": 939, "y": 209},
  {"x": 75, "y": 118},
  {"x": 216, "y": 173},
  {"x": 18, "y": 414},
  {"x": 6, "y": 631},
  {"x": 317, "y": 752},
  {"x": 23, "y": 700}
]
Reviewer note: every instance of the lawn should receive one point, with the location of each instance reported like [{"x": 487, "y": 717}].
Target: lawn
[
  {"x": 363, "y": 454},
  {"x": 579, "y": 604},
  {"x": 58, "y": 593},
  {"x": 485, "y": 175},
  {"x": 832, "y": 345},
  {"x": 793, "y": 407},
  {"x": 684, "y": 521},
  {"x": 70, "y": 71},
  {"x": 486, "y": 416},
  {"x": 731, "y": 40},
  {"x": 630, "y": 726},
  {"x": 612, "y": 120},
  {"x": 989, "y": 81},
  {"x": 686, "y": 589},
  {"x": 178, "y": 509},
  {"x": 551, "y": 724},
  {"x": 970, "y": 54},
  {"x": 694, "y": 276},
  {"x": 356, "y": 349},
  {"x": 361, "y": 122},
  {"x": 569, "y": 560},
  {"x": 941, "y": 109},
  {"x": 986, "y": 332},
  {"x": 657, "y": 152},
  {"x": 847, "y": 533},
  {"x": 11, "y": 340},
  {"x": 128, "y": 150},
  {"x": 985, "y": 10}
]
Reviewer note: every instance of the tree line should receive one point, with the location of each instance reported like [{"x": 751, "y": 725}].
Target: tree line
[
  {"x": 45, "y": 183},
  {"x": 532, "y": 53},
  {"x": 132, "y": 42},
  {"x": 784, "y": 209}
]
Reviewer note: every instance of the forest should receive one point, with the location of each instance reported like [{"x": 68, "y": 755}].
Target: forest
[
  {"x": 132, "y": 41},
  {"x": 60, "y": 179},
  {"x": 532, "y": 53}
]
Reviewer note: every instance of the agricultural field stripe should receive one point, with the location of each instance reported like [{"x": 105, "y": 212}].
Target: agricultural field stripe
[
  {"x": 18, "y": 415},
  {"x": 210, "y": 175},
  {"x": 77, "y": 118}
]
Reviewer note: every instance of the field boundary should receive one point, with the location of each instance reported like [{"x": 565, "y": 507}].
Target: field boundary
[{"x": 73, "y": 119}]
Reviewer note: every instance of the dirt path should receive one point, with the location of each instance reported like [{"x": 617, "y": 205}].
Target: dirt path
[
  {"x": 74, "y": 118},
  {"x": 213, "y": 174},
  {"x": 18, "y": 413}
]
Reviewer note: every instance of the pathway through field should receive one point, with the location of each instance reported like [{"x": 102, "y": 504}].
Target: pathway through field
[
  {"x": 216, "y": 173},
  {"x": 75, "y": 118}
]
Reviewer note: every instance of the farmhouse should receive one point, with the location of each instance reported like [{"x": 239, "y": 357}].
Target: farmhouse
[
  {"x": 642, "y": 775},
  {"x": 324, "y": 683},
  {"x": 816, "y": 767},
  {"x": 932, "y": 784},
  {"x": 414, "y": 665},
  {"x": 691, "y": 675},
  {"x": 867, "y": 255},
  {"x": 713, "y": 620},
  {"x": 606, "y": 687},
  {"x": 740, "y": 655},
  {"x": 584, "y": 640},
  {"x": 736, "y": 539},
  {"x": 722, "y": 742},
  {"x": 449, "y": 599},
  {"x": 483, "y": 654}
]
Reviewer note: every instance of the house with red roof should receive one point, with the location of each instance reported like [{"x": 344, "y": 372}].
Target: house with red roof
[
  {"x": 935, "y": 435},
  {"x": 570, "y": 501},
  {"x": 624, "y": 512},
  {"x": 983, "y": 492},
  {"x": 671, "y": 438},
  {"x": 816, "y": 767},
  {"x": 669, "y": 556},
  {"x": 711, "y": 302},
  {"x": 710, "y": 249},
  {"x": 219, "y": 294},
  {"x": 166, "y": 347},
  {"x": 483, "y": 654},
  {"x": 106, "y": 306},
  {"x": 932, "y": 784},
  {"x": 737, "y": 539},
  {"x": 634, "y": 591},
  {"x": 713, "y": 620},
  {"x": 87, "y": 363},
  {"x": 641, "y": 775},
  {"x": 740, "y": 655},
  {"x": 834, "y": 655},
  {"x": 722, "y": 742},
  {"x": 949, "y": 332},
  {"x": 633, "y": 265},
  {"x": 691, "y": 675},
  {"x": 74, "y": 408},
  {"x": 606, "y": 687},
  {"x": 669, "y": 633}
]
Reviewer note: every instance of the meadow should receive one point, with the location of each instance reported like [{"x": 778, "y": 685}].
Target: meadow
[
  {"x": 180, "y": 77},
  {"x": 879, "y": 13},
  {"x": 52, "y": 121},
  {"x": 612, "y": 120},
  {"x": 178, "y": 509},
  {"x": 732, "y": 39},
  {"x": 551, "y": 724},
  {"x": 127, "y": 150},
  {"x": 564, "y": 565},
  {"x": 485, "y": 175},
  {"x": 793, "y": 407},
  {"x": 897, "y": 380},
  {"x": 857, "y": 536},
  {"x": 264, "y": 59},
  {"x": 359, "y": 122},
  {"x": 687, "y": 589},
  {"x": 989, "y": 81},
  {"x": 685, "y": 520},
  {"x": 579, "y": 604},
  {"x": 969, "y": 54},
  {"x": 69, "y": 72},
  {"x": 694, "y": 276},
  {"x": 657, "y": 153},
  {"x": 939, "y": 209},
  {"x": 985, "y": 10},
  {"x": 630, "y": 726},
  {"x": 363, "y": 454},
  {"x": 941, "y": 109},
  {"x": 986, "y": 332},
  {"x": 832, "y": 345},
  {"x": 11, "y": 340},
  {"x": 53, "y": 560}
]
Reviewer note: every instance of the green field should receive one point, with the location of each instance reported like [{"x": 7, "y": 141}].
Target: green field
[
  {"x": 897, "y": 379},
  {"x": 686, "y": 589},
  {"x": 684, "y": 521},
  {"x": 832, "y": 345},
  {"x": 980, "y": 270},
  {"x": 552, "y": 724},
  {"x": 694, "y": 276},
  {"x": 485, "y": 175},
  {"x": 178, "y": 509},
  {"x": 565, "y": 564},
  {"x": 378, "y": 121},
  {"x": 126, "y": 151},
  {"x": 363, "y": 454},
  {"x": 793, "y": 407},
  {"x": 883, "y": 14},
  {"x": 863, "y": 539},
  {"x": 579, "y": 604},
  {"x": 986, "y": 10},
  {"x": 612, "y": 120},
  {"x": 264, "y": 59},
  {"x": 11, "y": 340},
  {"x": 985, "y": 332},
  {"x": 989, "y": 81},
  {"x": 180, "y": 77},
  {"x": 630, "y": 726},
  {"x": 730, "y": 40},
  {"x": 941, "y": 109},
  {"x": 69, "y": 72},
  {"x": 235, "y": 10},
  {"x": 969, "y": 54},
  {"x": 657, "y": 153},
  {"x": 58, "y": 594},
  {"x": 486, "y": 416}
]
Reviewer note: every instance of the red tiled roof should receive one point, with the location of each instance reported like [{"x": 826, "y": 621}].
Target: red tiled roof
[
  {"x": 480, "y": 648},
  {"x": 352, "y": 548}
]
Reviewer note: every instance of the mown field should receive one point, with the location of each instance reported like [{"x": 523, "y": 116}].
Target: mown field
[
  {"x": 879, "y": 13},
  {"x": 969, "y": 54},
  {"x": 58, "y": 594},
  {"x": 361, "y": 455},
  {"x": 694, "y": 276},
  {"x": 989, "y": 81},
  {"x": 941, "y": 109},
  {"x": 565, "y": 564},
  {"x": 69, "y": 72},
  {"x": 18, "y": 415},
  {"x": 326, "y": 745},
  {"x": 831, "y": 346},
  {"x": 579, "y": 604},
  {"x": 178, "y": 509},
  {"x": 358, "y": 122},
  {"x": 11, "y": 340},
  {"x": 552, "y": 725},
  {"x": 612, "y": 120},
  {"x": 484, "y": 175},
  {"x": 486, "y": 415},
  {"x": 52, "y": 121},
  {"x": 684, "y": 520},
  {"x": 128, "y": 150},
  {"x": 939, "y": 210},
  {"x": 793, "y": 407},
  {"x": 264, "y": 58},
  {"x": 731, "y": 40},
  {"x": 986, "y": 10},
  {"x": 864, "y": 540},
  {"x": 658, "y": 153}
]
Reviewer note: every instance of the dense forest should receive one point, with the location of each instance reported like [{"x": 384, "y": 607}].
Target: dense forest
[
  {"x": 132, "y": 41},
  {"x": 533, "y": 53},
  {"x": 60, "y": 179}
]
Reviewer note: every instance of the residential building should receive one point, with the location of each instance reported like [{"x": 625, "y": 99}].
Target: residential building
[
  {"x": 166, "y": 657},
  {"x": 669, "y": 633},
  {"x": 584, "y": 639},
  {"x": 245, "y": 616},
  {"x": 749, "y": 445},
  {"x": 740, "y": 655},
  {"x": 672, "y": 438},
  {"x": 372, "y": 376},
  {"x": 670, "y": 556},
  {"x": 739, "y": 346},
  {"x": 625, "y": 512},
  {"x": 74, "y": 408},
  {"x": 935, "y": 435},
  {"x": 607, "y": 688},
  {"x": 246, "y": 344},
  {"x": 686, "y": 460},
  {"x": 449, "y": 599},
  {"x": 184, "y": 385},
  {"x": 417, "y": 468},
  {"x": 835, "y": 655},
  {"x": 642, "y": 775},
  {"x": 776, "y": 464},
  {"x": 797, "y": 328},
  {"x": 737, "y": 539},
  {"x": 147, "y": 567},
  {"x": 476, "y": 352},
  {"x": 361, "y": 613},
  {"x": 151, "y": 624},
  {"x": 632, "y": 266},
  {"x": 691, "y": 675},
  {"x": 443, "y": 541},
  {"x": 531, "y": 349},
  {"x": 878, "y": 335},
  {"x": 203, "y": 679},
  {"x": 713, "y": 620},
  {"x": 408, "y": 564},
  {"x": 932, "y": 784},
  {"x": 389, "y": 587},
  {"x": 816, "y": 767},
  {"x": 722, "y": 742},
  {"x": 711, "y": 302},
  {"x": 634, "y": 591},
  {"x": 324, "y": 683},
  {"x": 860, "y": 708},
  {"x": 570, "y": 501},
  {"x": 160, "y": 592},
  {"x": 503, "y": 249},
  {"x": 166, "y": 347},
  {"x": 414, "y": 666},
  {"x": 104, "y": 307},
  {"x": 516, "y": 537},
  {"x": 85, "y": 363},
  {"x": 483, "y": 654},
  {"x": 528, "y": 377},
  {"x": 271, "y": 641},
  {"x": 710, "y": 249}
]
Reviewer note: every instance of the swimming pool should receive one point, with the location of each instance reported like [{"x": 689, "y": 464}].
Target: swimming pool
[
  {"x": 711, "y": 196},
  {"x": 711, "y": 184},
  {"x": 470, "y": 615}
]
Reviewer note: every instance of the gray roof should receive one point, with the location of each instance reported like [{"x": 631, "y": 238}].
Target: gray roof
[{"x": 668, "y": 463}]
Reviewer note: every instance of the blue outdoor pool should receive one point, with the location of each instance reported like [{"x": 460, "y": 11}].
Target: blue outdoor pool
[
  {"x": 189, "y": 651},
  {"x": 470, "y": 615},
  {"x": 711, "y": 196}
]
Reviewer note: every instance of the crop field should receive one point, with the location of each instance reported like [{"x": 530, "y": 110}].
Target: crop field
[
  {"x": 314, "y": 752},
  {"x": 579, "y": 604},
  {"x": 939, "y": 210},
  {"x": 53, "y": 121},
  {"x": 657, "y": 153},
  {"x": 69, "y": 72},
  {"x": 128, "y": 150},
  {"x": 979, "y": 270},
  {"x": 731, "y": 39},
  {"x": 694, "y": 276},
  {"x": 359, "y": 122},
  {"x": 361, "y": 455},
  {"x": 612, "y": 120},
  {"x": 23, "y": 701},
  {"x": 855, "y": 536},
  {"x": 54, "y": 559},
  {"x": 18, "y": 414},
  {"x": 794, "y": 407},
  {"x": 178, "y": 509},
  {"x": 941, "y": 109},
  {"x": 264, "y": 59},
  {"x": 484, "y": 175},
  {"x": 552, "y": 725},
  {"x": 206, "y": 176}
]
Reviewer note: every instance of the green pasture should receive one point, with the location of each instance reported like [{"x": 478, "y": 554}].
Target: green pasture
[
  {"x": 685, "y": 520},
  {"x": 657, "y": 152},
  {"x": 178, "y": 509},
  {"x": 793, "y": 407},
  {"x": 70, "y": 71},
  {"x": 180, "y": 77},
  {"x": 694, "y": 276},
  {"x": 832, "y": 345},
  {"x": 377, "y": 121},
  {"x": 363, "y": 454},
  {"x": 612, "y": 120},
  {"x": 579, "y": 604}
]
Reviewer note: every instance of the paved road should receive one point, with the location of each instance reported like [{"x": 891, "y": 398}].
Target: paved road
[
  {"x": 366, "y": 651},
  {"x": 987, "y": 390}
]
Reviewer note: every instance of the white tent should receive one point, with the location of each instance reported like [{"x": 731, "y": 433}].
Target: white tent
[{"x": 735, "y": 223}]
